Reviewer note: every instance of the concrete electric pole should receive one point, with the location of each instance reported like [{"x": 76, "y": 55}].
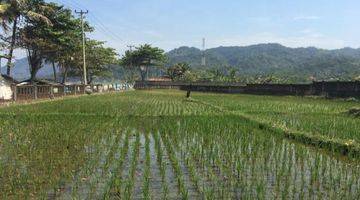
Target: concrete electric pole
[
  {"x": 203, "y": 58},
  {"x": 82, "y": 13}
]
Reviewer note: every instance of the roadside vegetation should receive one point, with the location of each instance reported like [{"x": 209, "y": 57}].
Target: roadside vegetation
[{"x": 50, "y": 33}]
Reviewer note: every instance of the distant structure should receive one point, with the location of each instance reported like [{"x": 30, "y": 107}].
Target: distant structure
[
  {"x": 160, "y": 79},
  {"x": 203, "y": 58},
  {"x": 6, "y": 83}
]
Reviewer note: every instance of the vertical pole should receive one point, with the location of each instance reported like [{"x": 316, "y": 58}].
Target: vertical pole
[
  {"x": 64, "y": 90},
  {"x": 35, "y": 92},
  {"x": 75, "y": 88},
  {"x": 83, "y": 43},
  {"x": 84, "y": 53},
  {"x": 203, "y": 58},
  {"x": 15, "y": 92},
  {"x": 51, "y": 91}
]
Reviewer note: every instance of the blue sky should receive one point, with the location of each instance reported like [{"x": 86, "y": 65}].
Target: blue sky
[
  {"x": 169, "y": 24},
  {"x": 172, "y": 23}
]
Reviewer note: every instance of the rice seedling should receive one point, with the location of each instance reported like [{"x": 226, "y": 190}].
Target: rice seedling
[
  {"x": 159, "y": 156},
  {"x": 131, "y": 178},
  {"x": 114, "y": 184},
  {"x": 146, "y": 186},
  {"x": 176, "y": 167}
]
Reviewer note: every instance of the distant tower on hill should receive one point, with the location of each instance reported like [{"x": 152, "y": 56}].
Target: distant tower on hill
[{"x": 203, "y": 58}]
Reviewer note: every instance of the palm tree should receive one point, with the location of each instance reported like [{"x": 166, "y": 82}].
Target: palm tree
[
  {"x": 10, "y": 13},
  {"x": 178, "y": 71}
]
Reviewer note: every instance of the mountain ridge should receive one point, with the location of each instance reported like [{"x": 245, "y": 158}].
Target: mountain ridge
[
  {"x": 275, "y": 59},
  {"x": 259, "y": 59},
  {"x": 20, "y": 71}
]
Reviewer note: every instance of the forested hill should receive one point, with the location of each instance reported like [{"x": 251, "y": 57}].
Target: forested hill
[
  {"x": 300, "y": 64},
  {"x": 275, "y": 59}
]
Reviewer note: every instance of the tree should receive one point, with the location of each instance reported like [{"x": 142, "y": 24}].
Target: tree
[
  {"x": 68, "y": 43},
  {"x": 11, "y": 12},
  {"x": 178, "y": 71},
  {"x": 143, "y": 58},
  {"x": 38, "y": 37},
  {"x": 99, "y": 59},
  {"x": 232, "y": 75},
  {"x": 216, "y": 74},
  {"x": 59, "y": 42},
  {"x": 5, "y": 16}
]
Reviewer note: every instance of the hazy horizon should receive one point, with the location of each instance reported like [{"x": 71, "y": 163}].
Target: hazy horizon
[{"x": 19, "y": 55}]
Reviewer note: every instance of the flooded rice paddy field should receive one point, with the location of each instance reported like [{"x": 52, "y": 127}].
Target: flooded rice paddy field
[{"x": 189, "y": 156}]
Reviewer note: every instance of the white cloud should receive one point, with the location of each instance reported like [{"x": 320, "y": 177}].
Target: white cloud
[{"x": 311, "y": 33}]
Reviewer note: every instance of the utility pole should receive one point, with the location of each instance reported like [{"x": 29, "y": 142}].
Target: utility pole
[
  {"x": 82, "y": 13},
  {"x": 203, "y": 59}
]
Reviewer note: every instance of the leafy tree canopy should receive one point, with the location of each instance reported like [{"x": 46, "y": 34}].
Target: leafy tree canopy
[{"x": 142, "y": 58}]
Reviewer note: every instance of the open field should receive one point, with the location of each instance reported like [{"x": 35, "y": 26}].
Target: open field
[
  {"x": 158, "y": 145},
  {"x": 317, "y": 116}
]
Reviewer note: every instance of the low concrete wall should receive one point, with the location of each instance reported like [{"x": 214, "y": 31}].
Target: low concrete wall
[
  {"x": 30, "y": 92},
  {"x": 330, "y": 89}
]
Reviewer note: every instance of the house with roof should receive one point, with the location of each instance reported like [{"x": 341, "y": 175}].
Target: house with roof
[{"x": 39, "y": 82}]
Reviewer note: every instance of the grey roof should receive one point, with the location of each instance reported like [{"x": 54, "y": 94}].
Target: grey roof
[
  {"x": 40, "y": 82},
  {"x": 9, "y": 78}
]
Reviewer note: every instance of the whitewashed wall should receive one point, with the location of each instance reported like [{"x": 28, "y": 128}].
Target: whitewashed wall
[{"x": 5, "y": 90}]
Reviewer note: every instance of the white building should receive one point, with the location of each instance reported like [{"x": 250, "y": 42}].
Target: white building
[{"x": 6, "y": 92}]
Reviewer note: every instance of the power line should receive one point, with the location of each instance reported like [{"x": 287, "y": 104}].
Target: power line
[
  {"x": 101, "y": 25},
  {"x": 102, "y": 28},
  {"x": 105, "y": 27},
  {"x": 95, "y": 21},
  {"x": 74, "y": 4}
]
